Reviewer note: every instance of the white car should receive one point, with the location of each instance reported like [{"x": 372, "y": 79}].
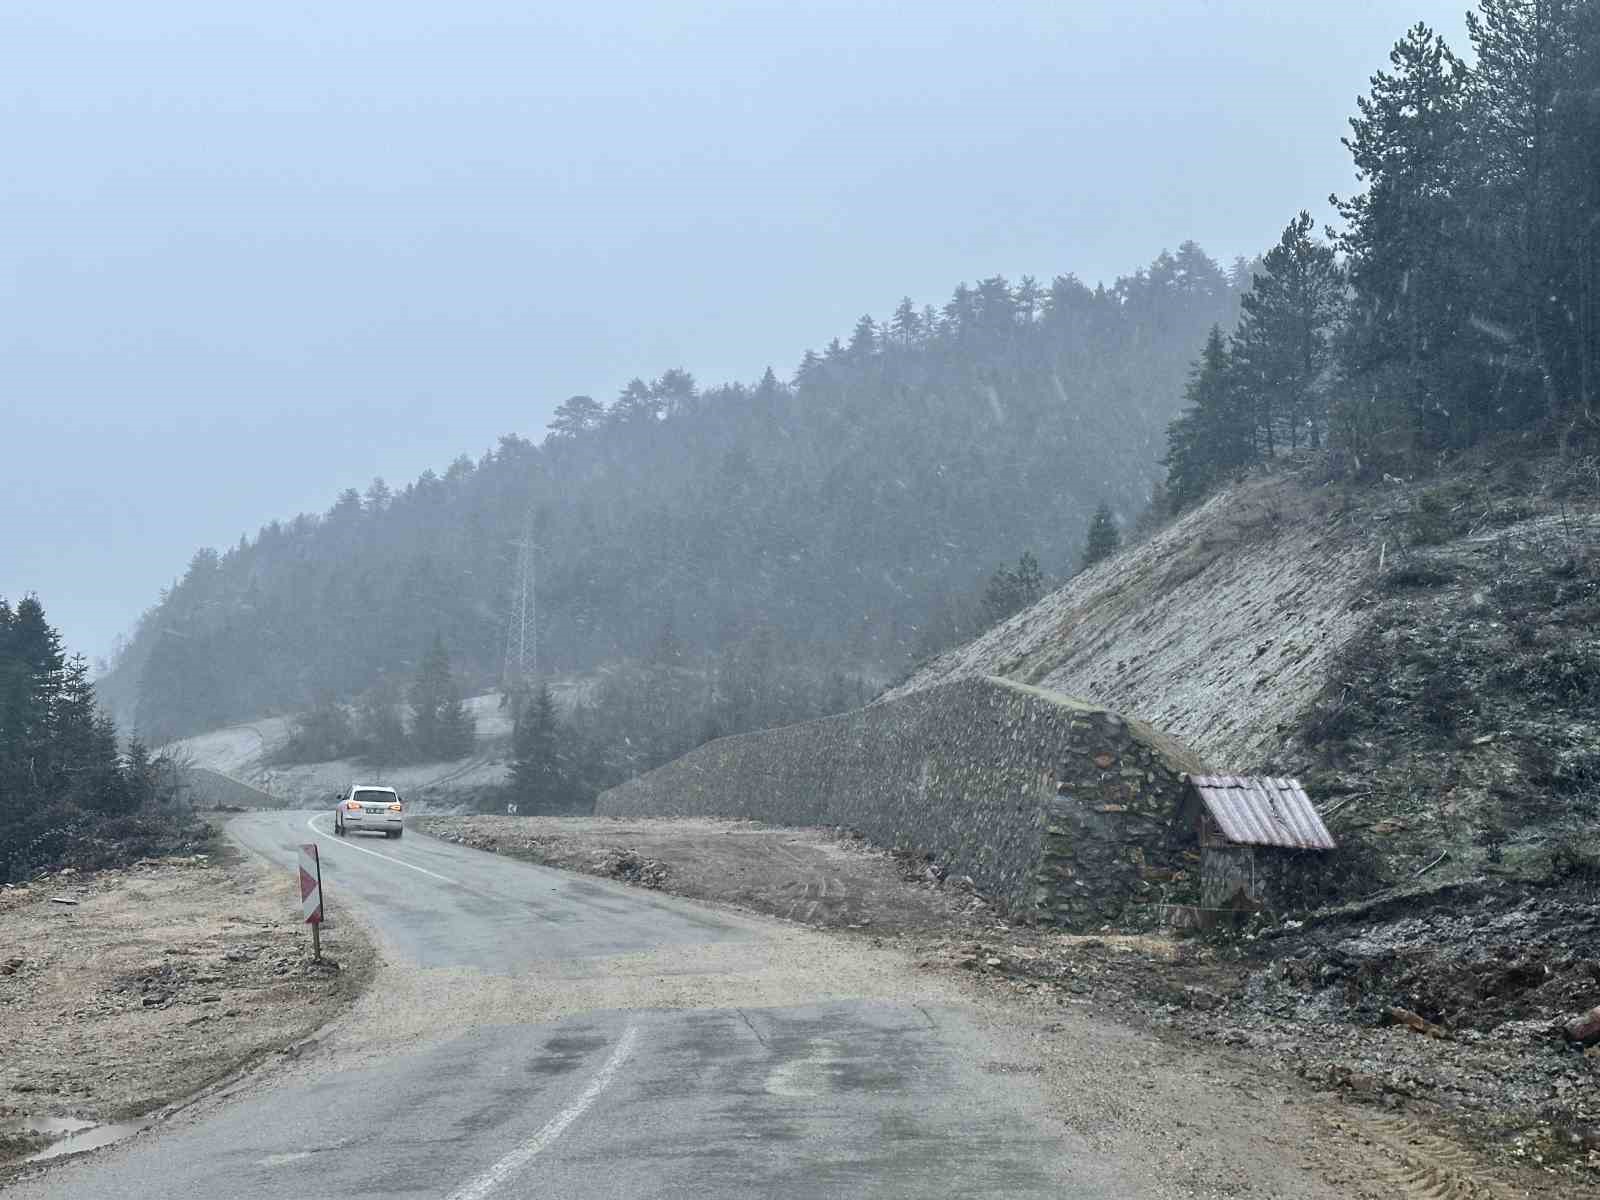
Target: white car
[{"x": 368, "y": 806}]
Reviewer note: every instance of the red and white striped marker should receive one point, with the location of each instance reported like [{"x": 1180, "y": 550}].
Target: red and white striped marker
[{"x": 310, "y": 884}]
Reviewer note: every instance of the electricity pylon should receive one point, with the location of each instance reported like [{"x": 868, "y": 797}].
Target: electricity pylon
[{"x": 522, "y": 629}]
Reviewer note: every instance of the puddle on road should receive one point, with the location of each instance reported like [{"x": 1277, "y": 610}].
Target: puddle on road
[{"x": 69, "y": 1135}]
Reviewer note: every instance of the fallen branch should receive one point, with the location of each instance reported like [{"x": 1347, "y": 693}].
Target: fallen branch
[
  {"x": 1341, "y": 802},
  {"x": 1421, "y": 871}
]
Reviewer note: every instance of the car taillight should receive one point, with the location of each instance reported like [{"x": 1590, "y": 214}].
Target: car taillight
[
  {"x": 394, "y": 808},
  {"x": 353, "y": 806}
]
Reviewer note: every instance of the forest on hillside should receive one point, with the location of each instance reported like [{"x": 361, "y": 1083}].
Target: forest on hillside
[
  {"x": 738, "y": 556},
  {"x": 783, "y": 544},
  {"x": 1460, "y": 297},
  {"x": 68, "y": 793}
]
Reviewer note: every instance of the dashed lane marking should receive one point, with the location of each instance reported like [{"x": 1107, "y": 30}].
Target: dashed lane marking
[
  {"x": 477, "y": 1189},
  {"x": 311, "y": 825}
]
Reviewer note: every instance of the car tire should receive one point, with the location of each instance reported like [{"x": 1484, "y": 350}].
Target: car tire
[{"x": 398, "y": 832}]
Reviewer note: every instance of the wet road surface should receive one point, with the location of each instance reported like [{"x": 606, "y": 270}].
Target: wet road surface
[{"x": 504, "y": 1051}]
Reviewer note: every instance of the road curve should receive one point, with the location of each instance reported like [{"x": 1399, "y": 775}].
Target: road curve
[{"x": 538, "y": 1033}]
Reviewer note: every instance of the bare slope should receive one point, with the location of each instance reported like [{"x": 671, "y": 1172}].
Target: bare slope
[
  {"x": 1219, "y": 630},
  {"x": 1425, "y": 652},
  {"x": 244, "y": 753}
]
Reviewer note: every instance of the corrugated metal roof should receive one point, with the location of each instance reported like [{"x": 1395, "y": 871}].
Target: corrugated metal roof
[{"x": 1263, "y": 811}]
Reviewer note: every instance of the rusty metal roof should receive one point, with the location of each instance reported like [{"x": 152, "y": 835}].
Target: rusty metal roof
[{"x": 1261, "y": 810}]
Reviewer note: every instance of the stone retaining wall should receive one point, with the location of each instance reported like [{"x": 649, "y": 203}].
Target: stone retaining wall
[{"x": 1056, "y": 808}]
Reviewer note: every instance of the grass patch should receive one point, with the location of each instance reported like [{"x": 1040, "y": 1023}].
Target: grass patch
[
  {"x": 1566, "y": 677},
  {"x": 1416, "y": 575}
]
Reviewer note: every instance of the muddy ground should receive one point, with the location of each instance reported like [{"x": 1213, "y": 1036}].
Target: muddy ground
[
  {"x": 1497, "y": 1100},
  {"x": 155, "y": 981}
]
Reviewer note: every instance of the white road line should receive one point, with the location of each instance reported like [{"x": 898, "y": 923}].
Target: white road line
[
  {"x": 361, "y": 850},
  {"x": 480, "y": 1187}
]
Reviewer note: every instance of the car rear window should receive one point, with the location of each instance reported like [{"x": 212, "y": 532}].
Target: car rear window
[{"x": 377, "y": 797}]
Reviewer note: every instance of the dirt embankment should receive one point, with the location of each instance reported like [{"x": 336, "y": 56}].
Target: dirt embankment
[
  {"x": 828, "y": 879},
  {"x": 124, "y": 991},
  {"x": 1309, "y": 1000}
]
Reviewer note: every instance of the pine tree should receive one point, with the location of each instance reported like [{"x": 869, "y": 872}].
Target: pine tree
[
  {"x": 635, "y": 404},
  {"x": 1527, "y": 221},
  {"x": 905, "y": 326},
  {"x": 541, "y": 771},
  {"x": 1404, "y": 235},
  {"x": 140, "y": 772},
  {"x": 864, "y": 339},
  {"x": 1012, "y": 589},
  {"x": 31, "y": 667},
  {"x": 1103, "y": 539},
  {"x": 441, "y": 728},
  {"x": 1215, "y": 434},
  {"x": 576, "y": 416},
  {"x": 1282, "y": 347},
  {"x": 380, "y": 728}
]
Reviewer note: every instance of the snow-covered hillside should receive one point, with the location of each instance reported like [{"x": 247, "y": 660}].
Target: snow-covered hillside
[
  {"x": 1219, "y": 630},
  {"x": 242, "y": 752}
]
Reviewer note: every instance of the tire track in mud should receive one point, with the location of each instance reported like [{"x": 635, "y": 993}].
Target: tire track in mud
[
  {"x": 1418, "y": 1165},
  {"x": 814, "y": 893}
]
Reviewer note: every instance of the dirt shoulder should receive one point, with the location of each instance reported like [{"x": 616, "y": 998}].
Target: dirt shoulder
[
  {"x": 1485, "y": 1115},
  {"x": 832, "y": 880},
  {"x": 154, "y": 982}
]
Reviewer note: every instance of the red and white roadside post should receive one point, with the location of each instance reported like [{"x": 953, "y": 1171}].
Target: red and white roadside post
[{"x": 311, "y": 895}]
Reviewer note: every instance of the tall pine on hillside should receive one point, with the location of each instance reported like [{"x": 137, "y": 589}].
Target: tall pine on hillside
[
  {"x": 1406, "y": 242},
  {"x": 1282, "y": 348},
  {"x": 1215, "y": 434},
  {"x": 1103, "y": 538},
  {"x": 541, "y": 769},
  {"x": 441, "y": 728}
]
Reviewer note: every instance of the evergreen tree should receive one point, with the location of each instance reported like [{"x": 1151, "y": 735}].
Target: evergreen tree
[
  {"x": 576, "y": 416},
  {"x": 1528, "y": 209},
  {"x": 1012, "y": 589},
  {"x": 31, "y": 666},
  {"x": 864, "y": 339},
  {"x": 905, "y": 326},
  {"x": 380, "y": 730},
  {"x": 141, "y": 775},
  {"x": 441, "y": 727},
  {"x": 378, "y": 496},
  {"x": 541, "y": 768},
  {"x": 1404, "y": 235},
  {"x": 636, "y": 403},
  {"x": 1215, "y": 435},
  {"x": 1282, "y": 347},
  {"x": 1103, "y": 539},
  {"x": 58, "y": 752}
]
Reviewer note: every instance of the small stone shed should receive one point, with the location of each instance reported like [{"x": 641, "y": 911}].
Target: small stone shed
[{"x": 1254, "y": 834}]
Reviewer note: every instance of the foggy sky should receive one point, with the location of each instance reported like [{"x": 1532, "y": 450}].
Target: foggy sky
[{"x": 254, "y": 253}]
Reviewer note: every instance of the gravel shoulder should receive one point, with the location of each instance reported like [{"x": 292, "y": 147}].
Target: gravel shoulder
[
  {"x": 153, "y": 983},
  {"x": 1371, "y": 1101},
  {"x": 825, "y": 879}
]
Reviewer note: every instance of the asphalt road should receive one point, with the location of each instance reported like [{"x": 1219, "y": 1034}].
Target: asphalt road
[{"x": 535, "y": 1033}]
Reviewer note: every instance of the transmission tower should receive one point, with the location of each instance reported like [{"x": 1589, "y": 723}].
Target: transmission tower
[{"x": 522, "y": 631}]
